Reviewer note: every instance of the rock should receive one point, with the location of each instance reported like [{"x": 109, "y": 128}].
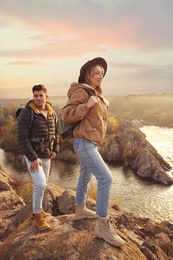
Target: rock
[
  {"x": 137, "y": 123},
  {"x": 162, "y": 240},
  {"x": 12, "y": 207},
  {"x": 70, "y": 239},
  {"x": 129, "y": 145},
  {"x": 66, "y": 203}
]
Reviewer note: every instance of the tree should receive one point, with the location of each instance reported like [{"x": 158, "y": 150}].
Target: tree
[
  {"x": 9, "y": 140},
  {"x": 112, "y": 125}
]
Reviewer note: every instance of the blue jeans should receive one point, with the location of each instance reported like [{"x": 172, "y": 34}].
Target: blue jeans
[
  {"x": 91, "y": 162},
  {"x": 40, "y": 179}
]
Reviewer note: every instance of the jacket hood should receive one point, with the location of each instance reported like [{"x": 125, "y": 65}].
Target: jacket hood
[
  {"x": 74, "y": 86},
  {"x": 48, "y": 107}
]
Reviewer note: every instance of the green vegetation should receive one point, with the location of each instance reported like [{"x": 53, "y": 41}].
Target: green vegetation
[
  {"x": 8, "y": 126},
  {"x": 154, "y": 109}
]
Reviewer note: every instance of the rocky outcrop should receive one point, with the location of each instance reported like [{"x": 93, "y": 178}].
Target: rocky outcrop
[
  {"x": 12, "y": 207},
  {"x": 69, "y": 239},
  {"x": 129, "y": 145}
]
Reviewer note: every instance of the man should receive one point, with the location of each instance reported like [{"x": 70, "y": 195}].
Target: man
[{"x": 39, "y": 144}]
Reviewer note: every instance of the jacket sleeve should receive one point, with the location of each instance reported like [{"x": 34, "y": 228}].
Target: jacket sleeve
[
  {"x": 76, "y": 107},
  {"x": 23, "y": 132}
]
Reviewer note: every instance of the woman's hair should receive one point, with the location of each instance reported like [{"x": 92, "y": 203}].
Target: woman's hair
[
  {"x": 38, "y": 88},
  {"x": 87, "y": 78}
]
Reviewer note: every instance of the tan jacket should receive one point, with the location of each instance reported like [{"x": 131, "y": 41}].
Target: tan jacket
[{"x": 94, "y": 120}]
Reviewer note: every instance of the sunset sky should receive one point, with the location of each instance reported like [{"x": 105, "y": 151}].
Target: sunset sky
[{"x": 47, "y": 41}]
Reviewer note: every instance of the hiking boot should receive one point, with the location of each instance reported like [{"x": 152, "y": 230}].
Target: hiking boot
[
  {"x": 40, "y": 222},
  {"x": 82, "y": 212},
  {"x": 45, "y": 214},
  {"x": 103, "y": 230}
]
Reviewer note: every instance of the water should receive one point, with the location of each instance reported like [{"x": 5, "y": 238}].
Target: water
[
  {"x": 162, "y": 140},
  {"x": 128, "y": 190}
]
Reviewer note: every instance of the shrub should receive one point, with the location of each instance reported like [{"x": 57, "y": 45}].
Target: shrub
[
  {"x": 23, "y": 187},
  {"x": 92, "y": 191},
  {"x": 67, "y": 155}
]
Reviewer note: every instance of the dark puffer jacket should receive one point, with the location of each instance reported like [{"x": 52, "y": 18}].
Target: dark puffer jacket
[{"x": 41, "y": 139}]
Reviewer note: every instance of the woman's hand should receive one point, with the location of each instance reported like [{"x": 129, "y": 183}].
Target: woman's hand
[{"x": 92, "y": 101}]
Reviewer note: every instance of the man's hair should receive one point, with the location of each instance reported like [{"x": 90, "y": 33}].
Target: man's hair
[{"x": 38, "y": 88}]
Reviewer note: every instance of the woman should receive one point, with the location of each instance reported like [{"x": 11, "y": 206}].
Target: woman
[{"x": 91, "y": 110}]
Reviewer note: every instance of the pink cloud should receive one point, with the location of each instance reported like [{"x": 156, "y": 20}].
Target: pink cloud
[
  {"x": 142, "y": 25},
  {"x": 24, "y": 63}
]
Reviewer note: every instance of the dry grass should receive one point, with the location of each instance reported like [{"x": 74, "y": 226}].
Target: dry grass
[
  {"x": 92, "y": 191},
  {"x": 23, "y": 187},
  {"x": 117, "y": 202}
]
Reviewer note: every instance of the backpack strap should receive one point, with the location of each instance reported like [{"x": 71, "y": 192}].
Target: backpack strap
[
  {"x": 32, "y": 117},
  {"x": 89, "y": 92}
]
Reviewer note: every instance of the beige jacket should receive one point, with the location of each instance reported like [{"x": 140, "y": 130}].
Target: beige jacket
[{"x": 93, "y": 121}]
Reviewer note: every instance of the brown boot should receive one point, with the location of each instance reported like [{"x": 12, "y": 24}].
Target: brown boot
[
  {"x": 103, "y": 230},
  {"x": 45, "y": 214},
  {"x": 81, "y": 212},
  {"x": 40, "y": 222}
]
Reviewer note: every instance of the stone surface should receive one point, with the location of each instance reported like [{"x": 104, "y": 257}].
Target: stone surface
[
  {"x": 69, "y": 239},
  {"x": 129, "y": 146}
]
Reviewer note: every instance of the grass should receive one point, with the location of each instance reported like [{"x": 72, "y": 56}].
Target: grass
[
  {"x": 92, "y": 191},
  {"x": 22, "y": 186}
]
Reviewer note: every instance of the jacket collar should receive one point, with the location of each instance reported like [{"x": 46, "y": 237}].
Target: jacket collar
[{"x": 48, "y": 107}]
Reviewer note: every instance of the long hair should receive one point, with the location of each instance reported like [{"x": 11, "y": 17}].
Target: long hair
[{"x": 87, "y": 78}]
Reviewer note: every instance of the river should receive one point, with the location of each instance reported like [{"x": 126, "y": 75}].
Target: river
[{"x": 128, "y": 190}]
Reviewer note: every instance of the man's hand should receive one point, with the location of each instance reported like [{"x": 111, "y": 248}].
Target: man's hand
[
  {"x": 35, "y": 165},
  {"x": 53, "y": 155}
]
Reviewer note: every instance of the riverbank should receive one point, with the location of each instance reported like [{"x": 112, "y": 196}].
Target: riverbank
[{"x": 132, "y": 193}]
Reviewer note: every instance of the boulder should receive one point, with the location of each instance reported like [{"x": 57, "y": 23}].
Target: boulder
[
  {"x": 71, "y": 239},
  {"x": 129, "y": 145}
]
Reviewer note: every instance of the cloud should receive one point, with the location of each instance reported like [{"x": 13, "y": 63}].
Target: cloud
[
  {"x": 25, "y": 63},
  {"x": 49, "y": 40},
  {"x": 142, "y": 25}
]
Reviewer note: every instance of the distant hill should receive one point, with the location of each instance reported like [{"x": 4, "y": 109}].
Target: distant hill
[
  {"x": 151, "y": 109},
  {"x": 56, "y": 100},
  {"x": 163, "y": 101}
]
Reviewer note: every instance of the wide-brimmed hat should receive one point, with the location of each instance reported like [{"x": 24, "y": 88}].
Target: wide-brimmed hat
[{"x": 90, "y": 63}]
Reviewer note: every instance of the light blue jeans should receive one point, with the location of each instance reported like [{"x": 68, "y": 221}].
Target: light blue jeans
[
  {"x": 91, "y": 162},
  {"x": 40, "y": 179}
]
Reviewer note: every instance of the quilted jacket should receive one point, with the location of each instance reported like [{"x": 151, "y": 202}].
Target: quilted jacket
[{"x": 40, "y": 140}]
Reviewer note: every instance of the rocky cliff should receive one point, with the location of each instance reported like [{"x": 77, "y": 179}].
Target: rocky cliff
[
  {"x": 128, "y": 144},
  {"x": 72, "y": 240}
]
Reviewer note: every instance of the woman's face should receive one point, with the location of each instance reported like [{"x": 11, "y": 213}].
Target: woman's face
[{"x": 96, "y": 76}]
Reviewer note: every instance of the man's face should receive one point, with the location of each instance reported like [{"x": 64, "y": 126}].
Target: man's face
[{"x": 40, "y": 98}]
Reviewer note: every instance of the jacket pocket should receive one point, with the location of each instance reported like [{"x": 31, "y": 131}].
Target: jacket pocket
[{"x": 90, "y": 129}]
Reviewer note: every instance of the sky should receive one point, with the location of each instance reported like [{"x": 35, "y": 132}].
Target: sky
[{"x": 47, "y": 41}]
